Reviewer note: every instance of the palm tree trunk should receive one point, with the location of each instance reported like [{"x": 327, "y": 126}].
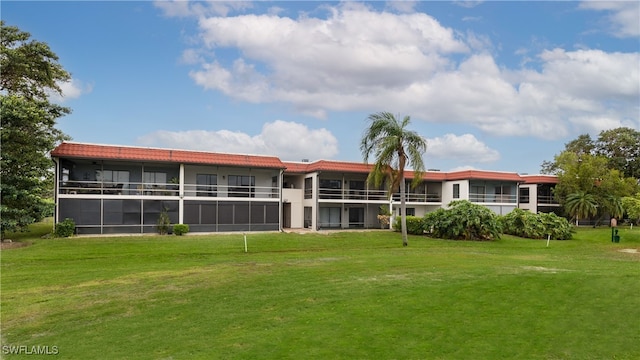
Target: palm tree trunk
[{"x": 403, "y": 216}]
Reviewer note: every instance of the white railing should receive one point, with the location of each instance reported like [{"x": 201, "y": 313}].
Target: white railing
[
  {"x": 493, "y": 198},
  {"x": 547, "y": 199},
  {"x": 374, "y": 195},
  {"x": 166, "y": 189}
]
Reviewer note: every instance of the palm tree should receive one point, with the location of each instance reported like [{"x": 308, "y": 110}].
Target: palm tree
[
  {"x": 612, "y": 205},
  {"x": 393, "y": 145},
  {"x": 581, "y": 205}
]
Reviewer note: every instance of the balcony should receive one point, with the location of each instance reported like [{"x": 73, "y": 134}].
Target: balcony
[
  {"x": 493, "y": 198},
  {"x": 375, "y": 195},
  {"x": 547, "y": 199},
  {"x": 342, "y": 194},
  {"x": 166, "y": 189},
  {"x": 415, "y": 197},
  {"x": 112, "y": 188}
]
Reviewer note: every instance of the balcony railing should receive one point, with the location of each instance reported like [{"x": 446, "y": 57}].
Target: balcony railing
[
  {"x": 414, "y": 197},
  {"x": 166, "y": 189},
  {"x": 493, "y": 198},
  {"x": 547, "y": 199},
  {"x": 374, "y": 195},
  {"x": 109, "y": 188}
]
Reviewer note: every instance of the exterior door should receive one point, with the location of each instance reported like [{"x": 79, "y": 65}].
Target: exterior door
[{"x": 356, "y": 217}]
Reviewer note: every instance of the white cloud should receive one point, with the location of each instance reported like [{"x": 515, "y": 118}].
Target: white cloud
[
  {"x": 402, "y": 6},
  {"x": 184, "y": 8},
  {"x": 468, "y": 4},
  {"x": 191, "y": 57},
  {"x": 624, "y": 16},
  {"x": 287, "y": 140},
  {"x": 348, "y": 60},
  {"x": 71, "y": 89},
  {"x": 597, "y": 123},
  {"x": 358, "y": 59},
  {"x": 464, "y": 147},
  {"x": 592, "y": 74}
]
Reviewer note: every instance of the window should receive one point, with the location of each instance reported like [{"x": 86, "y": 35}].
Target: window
[
  {"x": 308, "y": 188},
  {"x": 112, "y": 176},
  {"x": 356, "y": 185},
  {"x": 155, "y": 177},
  {"x": 207, "y": 185},
  {"x": 410, "y": 211},
  {"x": 545, "y": 194},
  {"x": 503, "y": 193},
  {"x": 330, "y": 217},
  {"x": 330, "y": 189},
  {"x": 330, "y": 184},
  {"x": 356, "y": 189},
  {"x": 242, "y": 186},
  {"x": 456, "y": 191},
  {"x": 524, "y": 195},
  {"x": 477, "y": 193}
]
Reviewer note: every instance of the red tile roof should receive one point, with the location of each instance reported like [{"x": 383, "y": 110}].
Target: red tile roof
[
  {"x": 348, "y": 167},
  {"x": 326, "y": 165},
  {"x": 540, "y": 179},
  {"x": 362, "y": 168},
  {"x": 483, "y": 175},
  {"x": 113, "y": 152}
]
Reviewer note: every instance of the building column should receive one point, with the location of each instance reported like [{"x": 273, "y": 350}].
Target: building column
[{"x": 181, "y": 195}]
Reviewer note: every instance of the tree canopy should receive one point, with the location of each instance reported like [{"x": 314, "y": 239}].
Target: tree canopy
[
  {"x": 620, "y": 146},
  {"x": 29, "y": 72},
  {"x": 594, "y": 176},
  {"x": 393, "y": 146}
]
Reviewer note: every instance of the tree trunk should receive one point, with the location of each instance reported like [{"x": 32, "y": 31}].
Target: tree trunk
[{"x": 403, "y": 216}]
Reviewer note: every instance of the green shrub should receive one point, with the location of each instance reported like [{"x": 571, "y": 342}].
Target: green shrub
[
  {"x": 180, "y": 229},
  {"x": 523, "y": 223},
  {"x": 415, "y": 225},
  {"x": 163, "y": 222},
  {"x": 526, "y": 224},
  {"x": 65, "y": 228},
  {"x": 463, "y": 220},
  {"x": 558, "y": 227}
]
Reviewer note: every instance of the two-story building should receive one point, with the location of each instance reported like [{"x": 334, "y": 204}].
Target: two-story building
[{"x": 123, "y": 189}]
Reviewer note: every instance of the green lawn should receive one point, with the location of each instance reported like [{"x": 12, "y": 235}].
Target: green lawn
[{"x": 347, "y": 295}]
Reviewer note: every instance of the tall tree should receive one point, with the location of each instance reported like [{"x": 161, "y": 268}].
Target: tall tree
[
  {"x": 393, "y": 146},
  {"x": 589, "y": 174},
  {"x": 622, "y": 147},
  {"x": 29, "y": 67},
  {"x": 582, "y": 146},
  {"x": 29, "y": 72}
]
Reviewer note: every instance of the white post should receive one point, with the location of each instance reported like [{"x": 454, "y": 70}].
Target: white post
[
  {"x": 245, "y": 242},
  {"x": 181, "y": 195},
  {"x": 548, "y": 238}
]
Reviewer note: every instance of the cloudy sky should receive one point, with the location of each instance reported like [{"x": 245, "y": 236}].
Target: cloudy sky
[{"x": 491, "y": 85}]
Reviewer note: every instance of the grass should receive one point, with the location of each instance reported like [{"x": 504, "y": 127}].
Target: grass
[{"x": 346, "y": 295}]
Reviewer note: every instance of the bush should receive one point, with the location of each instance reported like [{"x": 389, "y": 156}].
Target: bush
[
  {"x": 463, "y": 220},
  {"x": 558, "y": 227},
  {"x": 180, "y": 229},
  {"x": 523, "y": 223},
  {"x": 65, "y": 228},
  {"x": 526, "y": 224},
  {"x": 163, "y": 222},
  {"x": 415, "y": 225}
]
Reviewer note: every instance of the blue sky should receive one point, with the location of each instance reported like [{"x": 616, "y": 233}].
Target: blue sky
[{"x": 491, "y": 85}]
